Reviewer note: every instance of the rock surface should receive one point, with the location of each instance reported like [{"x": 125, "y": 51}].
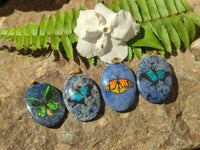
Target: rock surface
[{"x": 174, "y": 124}]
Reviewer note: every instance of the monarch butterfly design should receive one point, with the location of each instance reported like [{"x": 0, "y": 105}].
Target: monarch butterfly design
[
  {"x": 79, "y": 95},
  {"x": 118, "y": 85},
  {"x": 48, "y": 105},
  {"x": 154, "y": 76}
]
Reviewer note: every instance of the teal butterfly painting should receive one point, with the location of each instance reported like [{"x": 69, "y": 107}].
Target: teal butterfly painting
[
  {"x": 45, "y": 106},
  {"x": 79, "y": 94},
  {"x": 154, "y": 76}
]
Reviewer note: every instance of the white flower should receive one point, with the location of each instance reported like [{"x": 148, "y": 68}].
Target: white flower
[{"x": 103, "y": 33}]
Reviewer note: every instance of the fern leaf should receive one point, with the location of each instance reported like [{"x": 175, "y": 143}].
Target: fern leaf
[
  {"x": 161, "y": 53},
  {"x": 123, "y": 5},
  {"x": 108, "y": 6},
  {"x": 11, "y": 34},
  {"x": 43, "y": 25},
  {"x": 59, "y": 23},
  {"x": 74, "y": 18},
  {"x": 91, "y": 60},
  {"x": 137, "y": 52},
  {"x": 134, "y": 10},
  {"x": 162, "y": 8},
  {"x": 35, "y": 42},
  {"x": 163, "y": 34},
  {"x": 144, "y": 10},
  {"x": 51, "y": 24},
  {"x": 171, "y": 7},
  {"x": 67, "y": 23},
  {"x": 189, "y": 26},
  {"x": 73, "y": 38},
  {"x": 67, "y": 46},
  {"x": 172, "y": 32},
  {"x": 3, "y": 33},
  {"x": 194, "y": 17},
  {"x": 19, "y": 30},
  {"x": 54, "y": 42},
  {"x": 115, "y": 6},
  {"x": 153, "y": 9},
  {"x": 130, "y": 54},
  {"x": 19, "y": 42},
  {"x": 181, "y": 30},
  {"x": 43, "y": 41},
  {"x": 186, "y": 5},
  {"x": 146, "y": 39},
  {"x": 179, "y": 6},
  {"x": 149, "y": 24}
]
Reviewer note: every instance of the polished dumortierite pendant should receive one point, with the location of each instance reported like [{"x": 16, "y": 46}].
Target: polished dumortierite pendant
[
  {"x": 118, "y": 86},
  {"x": 81, "y": 97},
  {"x": 45, "y": 104},
  {"x": 154, "y": 78}
]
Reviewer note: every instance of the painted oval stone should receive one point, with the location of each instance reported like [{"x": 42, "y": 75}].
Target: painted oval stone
[
  {"x": 154, "y": 78},
  {"x": 81, "y": 97},
  {"x": 118, "y": 86},
  {"x": 45, "y": 104}
]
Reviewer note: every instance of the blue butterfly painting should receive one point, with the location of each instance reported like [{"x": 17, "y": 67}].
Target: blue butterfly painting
[
  {"x": 155, "y": 76},
  {"x": 79, "y": 95}
]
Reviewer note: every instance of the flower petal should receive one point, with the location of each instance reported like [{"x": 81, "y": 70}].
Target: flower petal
[
  {"x": 116, "y": 49},
  {"x": 101, "y": 45},
  {"x": 85, "y": 48},
  {"x": 87, "y": 20},
  {"x": 103, "y": 10},
  {"x": 124, "y": 26}
]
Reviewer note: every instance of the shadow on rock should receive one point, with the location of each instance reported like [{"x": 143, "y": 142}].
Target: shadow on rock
[{"x": 7, "y": 7}]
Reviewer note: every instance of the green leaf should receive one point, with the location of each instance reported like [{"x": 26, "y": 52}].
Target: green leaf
[
  {"x": 137, "y": 52},
  {"x": 108, "y": 6},
  {"x": 179, "y": 6},
  {"x": 74, "y": 18},
  {"x": 82, "y": 8},
  {"x": 91, "y": 60},
  {"x": 163, "y": 34},
  {"x": 67, "y": 23},
  {"x": 181, "y": 30},
  {"x": 115, "y": 6},
  {"x": 73, "y": 38},
  {"x": 19, "y": 42},
  {"x": 19, "y": 30},
  {"x": 11, "y": 33},
  {"x": 172, "y": 32},
  {"x": 186, "y": 5},
  {"x": 194, "y": 17},
  {"x": 162, "y": 53},
  {"x": 35, "y": 42},
  {"x": 59, "y": 23},
  {"x": 162, "y": 8},
  {"x": 146, "y": 39},
  {"x": 123, "y": 5},
  {"x": 67, "y": 46},
  {"x": 31, "y": 29},
  {"x": 54, "y": 42},
  {"x": 153, "y": 9},
  {"x": 189, "y": 25},
  {"x": 51, "y": 24},
  {"x": 130, "y": 54},
  {"x": 134, "y": 10},
  {"x": 3, "y": 33},
  {"x": 171, "y": 7},
  {"x": 144, "y": 10},
  {"x": 43, "y": 25},
  {"x": 149, "y": 25},
  {"x": 43, "y": 41}
]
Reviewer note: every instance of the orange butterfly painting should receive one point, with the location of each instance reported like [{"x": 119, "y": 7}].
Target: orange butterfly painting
[{"x": 118, "y": 85}]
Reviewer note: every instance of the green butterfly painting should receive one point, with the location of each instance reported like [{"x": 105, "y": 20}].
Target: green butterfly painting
[{"x": 44, "y": 106}]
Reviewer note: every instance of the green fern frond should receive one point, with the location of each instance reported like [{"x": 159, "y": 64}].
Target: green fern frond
[
  {"x": 163, "y": 23},
  {"x": 57, "y": 28}
]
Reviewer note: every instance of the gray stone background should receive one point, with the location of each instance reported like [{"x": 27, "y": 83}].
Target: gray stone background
[{"x": 174, "y": 124}]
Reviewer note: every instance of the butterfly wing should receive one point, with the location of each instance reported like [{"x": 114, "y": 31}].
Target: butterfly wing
[
  {"x": 84, "y": 90},
  {"x": 34, "y": 102},
  {"x": 76, "y": 97},
  {"x": 152, "y": 75},
  {"x": 41, "y": 112},
  {"x": 49, "y": 94},
  {"x": 53, "y": 105}
]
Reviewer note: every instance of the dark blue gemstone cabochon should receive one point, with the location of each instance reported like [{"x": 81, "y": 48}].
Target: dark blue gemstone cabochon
[
  {"x": 81, "y": 97},
  {"x": 154, "y": 78},
  {"x": 46, "y": 108},
  {"x": 118, "y": 87}
]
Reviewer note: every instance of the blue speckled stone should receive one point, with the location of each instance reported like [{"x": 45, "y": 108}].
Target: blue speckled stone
[
  {"x": 47, "y": 111},
  {"x": 81, "y": 97},
  {"x": 118, "y": 94},
  {"x": 158, "y": 90}
]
